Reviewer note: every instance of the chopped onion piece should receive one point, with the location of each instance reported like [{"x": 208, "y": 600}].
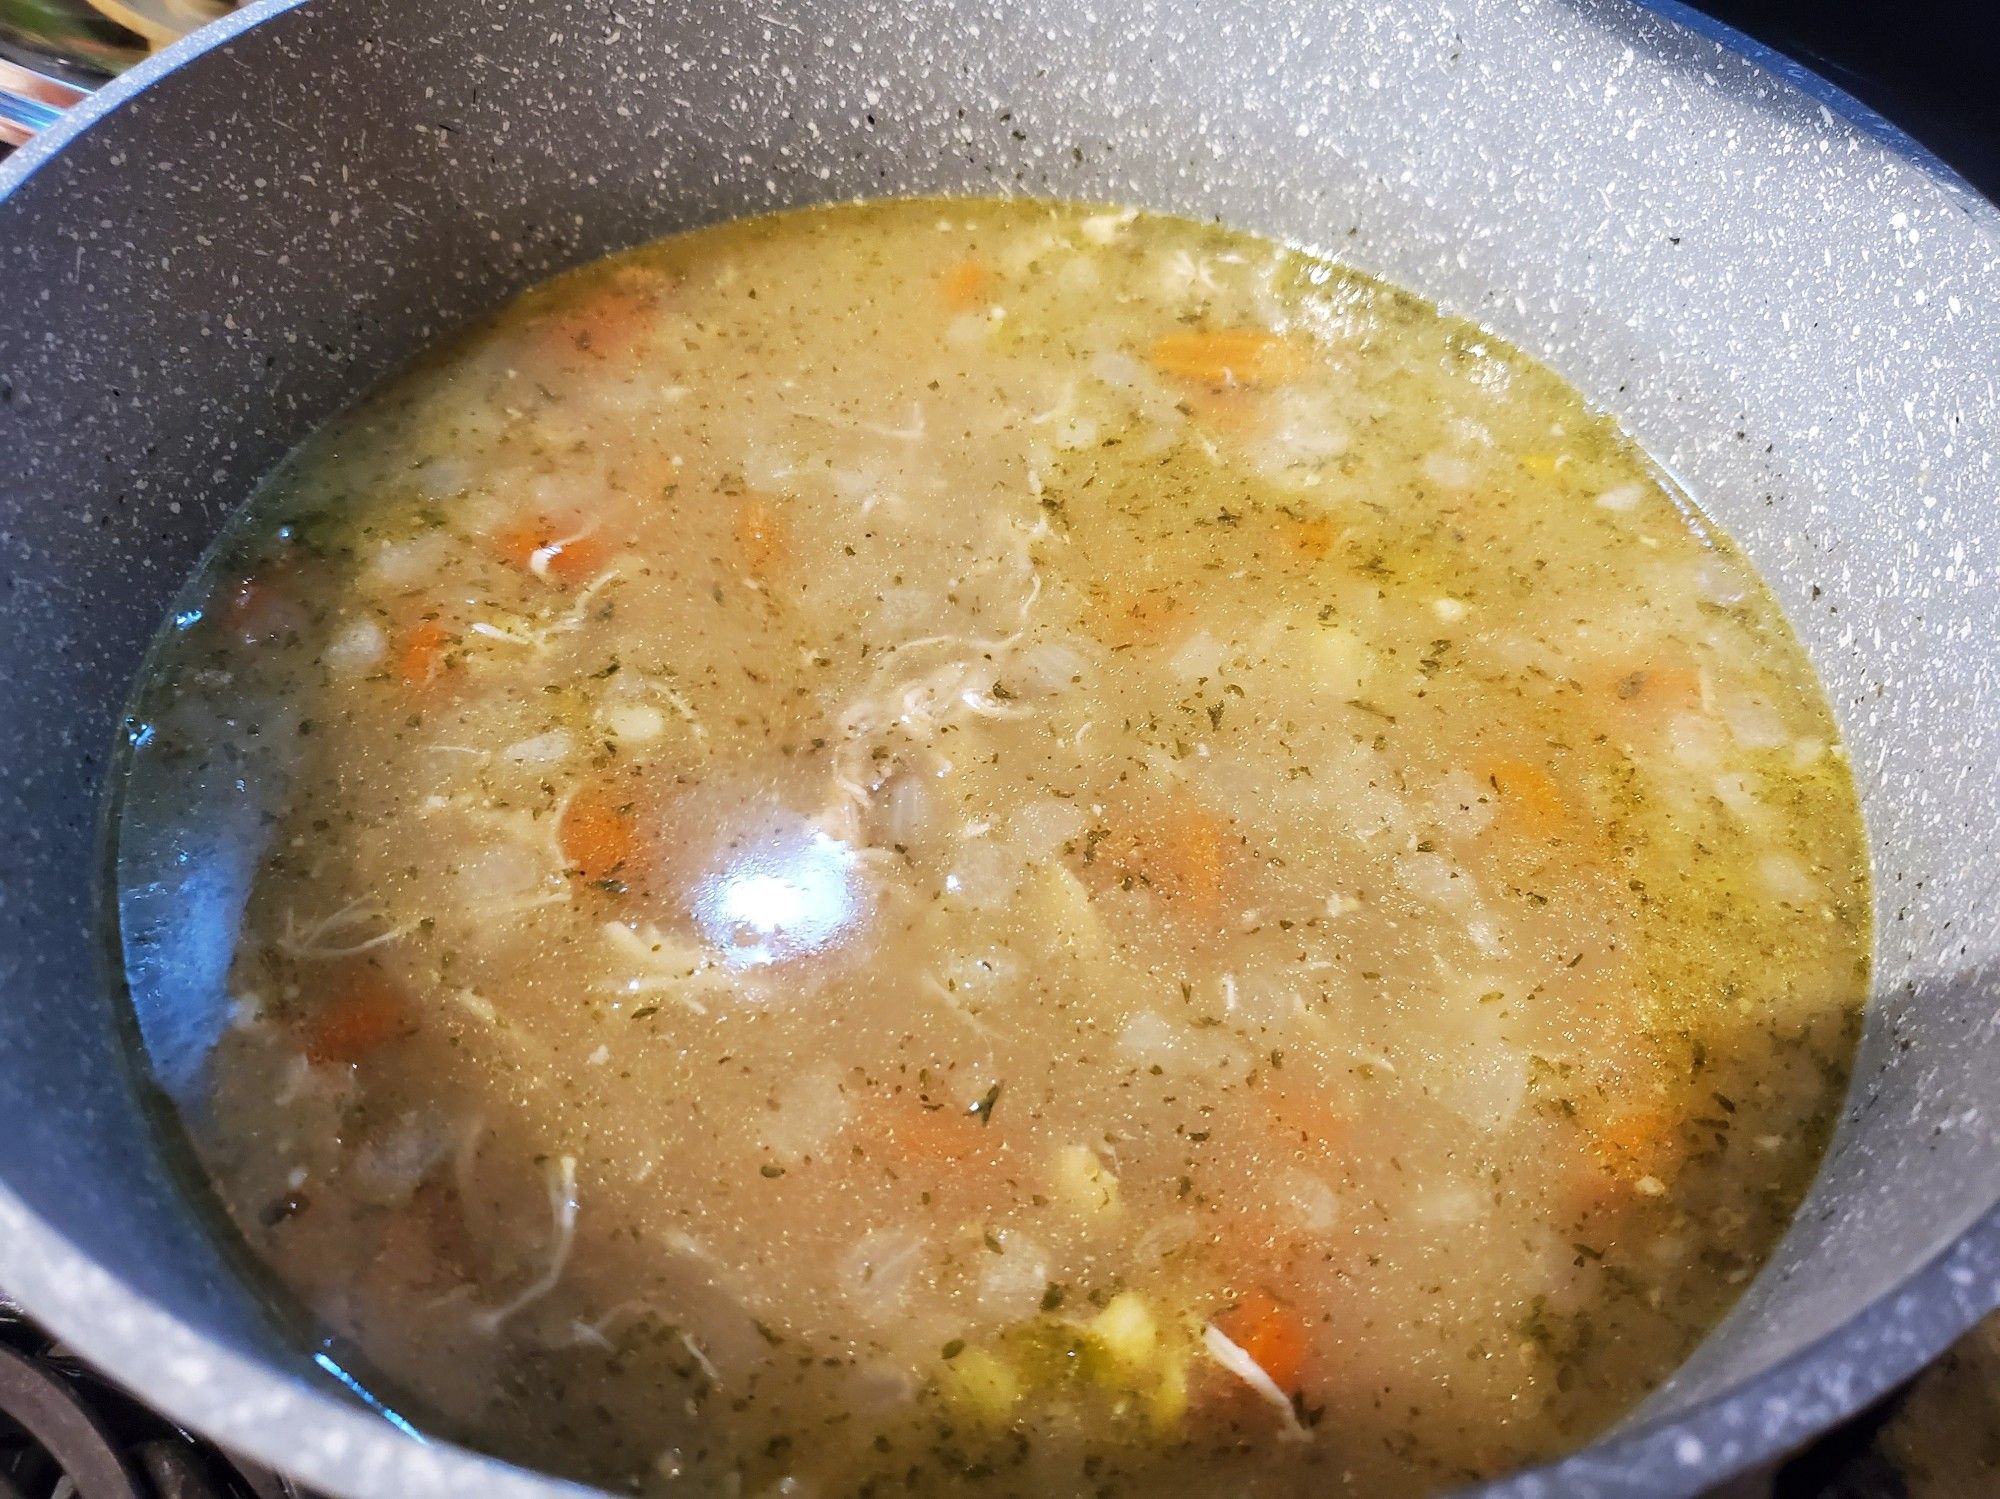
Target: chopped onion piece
[
  {"x": 638, "y": 723},
  {"x": 1200, "y": 655},
  {"x": 1103, "y": 228},
  {"x": 1787, "y": 880},
  {"x": 541, "y": 749},
  {"x": 1047, "y": 669},
  {"x": 1448, "y": 472},
  {"x": 356, "y": 648},
  {"x": 1011, "y": 1282},
  {"x": 1314, "y": 1205},
  {"x": 411, "y": 563},
  {"x": 876, "y": 1275},
  {"x": 810, "y": 1111}
]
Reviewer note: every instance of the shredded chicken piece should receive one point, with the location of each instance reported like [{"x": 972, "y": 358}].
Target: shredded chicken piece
[
  {"x": 700, "y": 1358},
  {"x": 1247, "y": 1369},
  {"x": 519, "y": 632},
  {"x": 913, "y": 432},
  {"x": 672, "y": 697},
  {"x": 542, "y": 556},
  {"x": 465, "y": 1155},
  {"x": 562, "y": 1203},
  {"x": 951, "y": 1002},
  {"x": 476, "y": 1005},
  {"x": 673, "y": 966},
  {"x": 542, "y": 834},
  {"x": 320, "y": 940}
]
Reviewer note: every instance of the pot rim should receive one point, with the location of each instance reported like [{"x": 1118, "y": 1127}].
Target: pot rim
[{"x": 357, "y": 1448}]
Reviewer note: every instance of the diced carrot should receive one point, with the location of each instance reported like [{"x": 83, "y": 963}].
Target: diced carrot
[
  {"x": 540, "y": 547},
  {"x": 1641, "y": 1143},
  {"x": 598, "y": 835},
  {"x": 1272, "y": 1334},
  {"x": 1192, "y": 849},
  {"x": 760, "y": 538},
  {"x": 421, "y": 656},
  {"x": 1659, "y": 690},
  {"x": 1223, "y": 408},
  {"x": 1308, "y": 1122},
  {"x": 1138, "y": 618},
  {"x": 365, "y": 1012},
  {"x": 613, "y": 322},
  {"x": 964, "y": 284},
  {"x": 1310, "y": 536},
  {"x": 1229, "y": 356},
  {"x": 946, "y": 1152},
  {"x": 918, "y": 1136},
  {"x": 1530, "y": 803}
]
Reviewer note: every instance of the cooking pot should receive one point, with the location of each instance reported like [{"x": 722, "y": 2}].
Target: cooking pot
[{"x": 1795, "y": 312}]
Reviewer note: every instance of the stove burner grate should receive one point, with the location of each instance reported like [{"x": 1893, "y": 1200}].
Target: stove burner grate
[{"x": 67, "y": 1433}]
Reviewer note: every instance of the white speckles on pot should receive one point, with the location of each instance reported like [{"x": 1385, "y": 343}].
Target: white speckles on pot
[{"x": 1801, "y": 324}]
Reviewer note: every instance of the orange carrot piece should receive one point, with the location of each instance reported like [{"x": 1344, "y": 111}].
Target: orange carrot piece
[
  {"x": 365, "y": 1012},
  {"x": 964, "y": 285},
  {"x": 1308, "y": 1122},
  {"x": 1222, "y": 408},
  {"x": 568, "y": 558},
  {"x": 1138, "y": 619},
  {"x": 612, "y": 323},
  {"x": 1229, "y": 356},
  {"x": 1272, "y": 1334},
  {"x": 598, "y": 836},
  {"x": 760, "y": 537},
  {"x": 1310, "y": 536},
  {"x": 1529, "y": 800},
  {"x": 1640, "y": 1143},
  {"x": 1193, "y": 847},
  {"x": 1659, "y": 691},
  {"x": 421, "y": 656},
  {"x": 916, "y": 1136}
]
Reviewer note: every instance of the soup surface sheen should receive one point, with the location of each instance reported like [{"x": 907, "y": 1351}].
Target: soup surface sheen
[{"x": 969, "y": 846}]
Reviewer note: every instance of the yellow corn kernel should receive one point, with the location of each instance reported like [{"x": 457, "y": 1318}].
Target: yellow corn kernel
[
  {"x": 983, "y": 1384},
  {"x": 1126, "y": 1331},
  {"x": 1084, "y": 1181},
  {"x": 1168, "y": 1401}
]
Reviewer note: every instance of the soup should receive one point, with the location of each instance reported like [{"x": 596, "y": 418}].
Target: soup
[{"x": 956, "y": 845}]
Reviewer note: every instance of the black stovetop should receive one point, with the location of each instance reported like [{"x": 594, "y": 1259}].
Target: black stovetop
[
  {"x": 1931, "y": 66},
  {"x": 68, "y": 1433}
]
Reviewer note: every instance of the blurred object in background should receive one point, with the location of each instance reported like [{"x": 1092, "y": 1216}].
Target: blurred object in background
[
  {"x": 1944, "y": 1438},
  {"x": 104, "y": 35},
  {"x": 157, "y": 21},
  {"x": 51, "y": 49},
  {"x": 67, "y": 34}
]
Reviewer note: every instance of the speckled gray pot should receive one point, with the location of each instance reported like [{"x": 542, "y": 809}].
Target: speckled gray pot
[{"x": 1798, "y": 317}]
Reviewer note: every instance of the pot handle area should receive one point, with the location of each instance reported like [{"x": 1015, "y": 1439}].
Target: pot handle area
[{"x": 31, "y": 101}]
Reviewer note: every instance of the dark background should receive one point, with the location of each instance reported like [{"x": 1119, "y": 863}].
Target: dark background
[{"x": 1932, "y": 66}]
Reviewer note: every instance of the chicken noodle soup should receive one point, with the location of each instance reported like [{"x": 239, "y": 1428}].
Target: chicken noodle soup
[{"x": 964, "y": 846}]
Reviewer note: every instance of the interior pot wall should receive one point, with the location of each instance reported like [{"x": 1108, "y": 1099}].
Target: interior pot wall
[{"x": 1798, "y": 323}]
